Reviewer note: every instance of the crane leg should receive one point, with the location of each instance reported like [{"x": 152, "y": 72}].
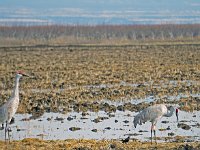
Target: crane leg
[
  {"x": 9, "y": 130},
  {"x": 155, "y": 135},
  {"x": 6, "y": 130},
  {"x": 5, "y": 134},
  {"x": 151, "y": 133}
]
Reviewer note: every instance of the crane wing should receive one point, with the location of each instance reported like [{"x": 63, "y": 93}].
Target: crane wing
[
  {"x": 3, "y": 114},
  {"x": 152, "y": 113},
  {"x": 141, "y": 118}
]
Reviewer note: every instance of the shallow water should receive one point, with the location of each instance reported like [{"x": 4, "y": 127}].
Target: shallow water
[{"x": 115, "y": 126}]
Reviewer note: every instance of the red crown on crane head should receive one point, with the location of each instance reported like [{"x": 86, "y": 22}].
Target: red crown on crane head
[{"x": 19, "y": 72}]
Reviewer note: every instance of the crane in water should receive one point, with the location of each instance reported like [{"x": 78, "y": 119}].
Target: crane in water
[
  {"x": 153, "y": 114},
  {"x": 8, "y": 110}
]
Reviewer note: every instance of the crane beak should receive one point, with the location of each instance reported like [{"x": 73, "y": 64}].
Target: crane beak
[
  {"x": 177, "y": 114},
  {"x": 32, "y": 77},
  {"x": 26, "y": 75}
]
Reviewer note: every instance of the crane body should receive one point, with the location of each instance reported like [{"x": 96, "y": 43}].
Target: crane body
[
  {"x": 153, "y": 114},
  {"x": 8, "y": 110}
]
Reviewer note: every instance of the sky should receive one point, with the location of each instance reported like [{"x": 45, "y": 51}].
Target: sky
[
  {"x": 122, "y": 9},
  {"x": 103, "y": 4},
  {"x": 99, "y": 5}
]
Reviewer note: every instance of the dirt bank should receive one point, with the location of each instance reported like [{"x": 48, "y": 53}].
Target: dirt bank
[{"x": 33, "y": 144}]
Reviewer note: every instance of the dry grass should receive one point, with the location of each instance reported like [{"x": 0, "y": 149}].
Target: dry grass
[
  {"x": 33, "y": 144},
  {"x": 75, "y": 68}
]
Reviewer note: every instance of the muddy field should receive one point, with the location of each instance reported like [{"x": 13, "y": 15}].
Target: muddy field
[
  {"x": 110, "y": 79},
  {"x": 83, "y": 77}
]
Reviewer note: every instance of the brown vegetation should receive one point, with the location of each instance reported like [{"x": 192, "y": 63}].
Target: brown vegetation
[
  {"x": 83, "y": 76},
  {"x": 94, "y": 145}
]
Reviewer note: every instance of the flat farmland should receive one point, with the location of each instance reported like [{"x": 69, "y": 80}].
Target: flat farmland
[
  {"x": 66, "y": 75},
  {"x": 102, "y": 78}
]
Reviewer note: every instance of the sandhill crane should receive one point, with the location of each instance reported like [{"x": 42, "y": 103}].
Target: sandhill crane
[
  {"x": 8, "y": 110},
  {"x": 153, "y": 114}
]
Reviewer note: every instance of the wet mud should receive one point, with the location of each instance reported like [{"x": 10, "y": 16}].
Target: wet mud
[{"x": 108, "y": 79}]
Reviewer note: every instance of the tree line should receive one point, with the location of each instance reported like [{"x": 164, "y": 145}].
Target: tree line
[{"x": 99, "y": 32}]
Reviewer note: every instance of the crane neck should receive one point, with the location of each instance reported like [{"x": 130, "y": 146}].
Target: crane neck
[{"x": 16, "y": 87}]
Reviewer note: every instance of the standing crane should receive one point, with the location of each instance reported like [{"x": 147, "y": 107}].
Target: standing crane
[
  {"x": 8, "y": 110},
  {"x": 153, "y": 114}
]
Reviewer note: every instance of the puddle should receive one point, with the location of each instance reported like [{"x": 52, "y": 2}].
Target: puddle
[
  {"x": 163, "y": 84},
  {"x": 149, "y": 99},
  {"x": 111, "y": 126},
  {"x": 116, "y": 103}
]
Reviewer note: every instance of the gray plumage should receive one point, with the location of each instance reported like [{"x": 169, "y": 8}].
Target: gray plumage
[
  {"x": 153, "y": 114},
  {"x": 8, "y": 110}
]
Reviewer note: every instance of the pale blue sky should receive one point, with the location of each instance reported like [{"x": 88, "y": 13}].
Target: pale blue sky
[
  {"x": 130, "y": 10},
  {"x": 104, "y": 4}
]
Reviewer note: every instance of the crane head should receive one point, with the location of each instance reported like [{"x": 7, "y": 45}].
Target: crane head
[
  {"x": 171, "y": 108},
  {"x": 22, "y": 73}
]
